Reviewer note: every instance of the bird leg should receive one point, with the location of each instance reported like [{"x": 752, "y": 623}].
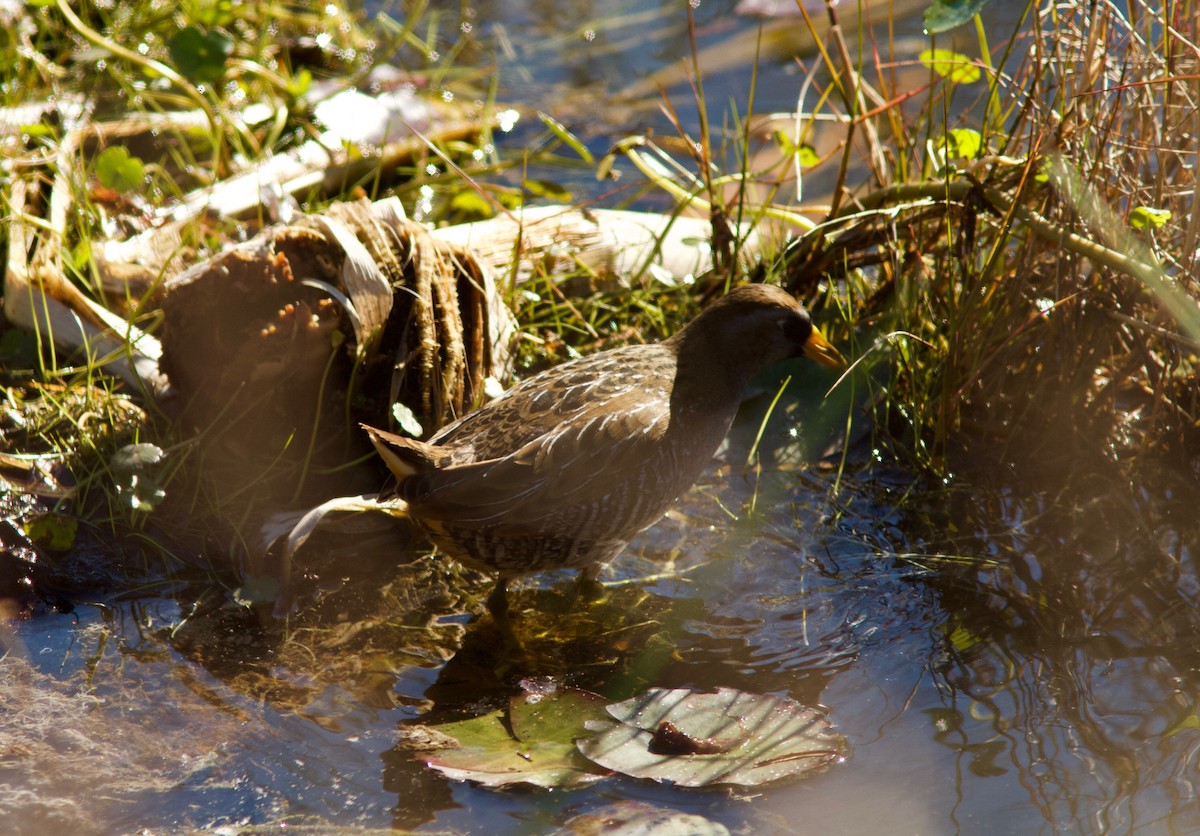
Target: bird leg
[
  {"x": 497, "y": 604},
  {"x": 588, "y": 587}
]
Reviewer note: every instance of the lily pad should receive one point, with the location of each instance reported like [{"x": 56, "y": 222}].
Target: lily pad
[
  {"x": 532, "y": 742},
  {"x": 964, "y": 142},
  {"x": 729, "y": 737},
  {"x": 52, "y": 531},
  {"x": 637, "y": 817}
]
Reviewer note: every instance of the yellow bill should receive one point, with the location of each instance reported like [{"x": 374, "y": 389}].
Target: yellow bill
[{"x": 822, "y": 351}]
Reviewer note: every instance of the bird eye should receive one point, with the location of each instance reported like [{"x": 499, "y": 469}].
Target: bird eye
[{"x": 796, "y": 329}]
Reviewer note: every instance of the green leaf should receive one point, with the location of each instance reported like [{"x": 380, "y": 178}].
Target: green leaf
[
  {"x": 117, "y": 170},
  {"x": 808, "y": 155},
  {"x": 944, "y": 15},
  {"x": 134, "y": 457},
  {"x": 963, "y": 639},
  {"x": 52, "y": 531},
  {"x": 539, "y": 750},
  {"x": 556, "y": 714},
  {"x": 39, "y": 130},
  {"x": 572, "y": 141},
  {"x": 1191, "y": 722},
  {"x": 639, "y": 817},
  {"x": 198, "y": 55},
  {"x": 963, "y": 142},
  {"x": 299, "y": 83},
  {"x": 472, "y": 204},
  {"x": 954, "y": 66},
  {"x": 1147, "y": 217},
  {"x": 548, "y": 190},
  {"x": 696, "y": 739}
]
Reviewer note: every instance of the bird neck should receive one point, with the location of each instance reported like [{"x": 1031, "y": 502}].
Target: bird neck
[{"x": 707, "y": 381}]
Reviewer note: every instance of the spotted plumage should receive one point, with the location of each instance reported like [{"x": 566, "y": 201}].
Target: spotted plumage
[{"x": 567, "y": 466}]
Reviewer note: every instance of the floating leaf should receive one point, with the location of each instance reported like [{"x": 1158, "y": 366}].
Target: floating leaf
[
  {"x": 133, "y": 457},
  {"x": 1147, "y": 217},
  {"x": 117, "y": 170},
  {"x": 631, "y": 817},
  {"x": 728, "y": 737},
  {"x": 954, "y": 66},
  {"x": 1190, "y": 722},
  {"x": 944, "y": 15},
  {"x": 807, "y": 154},
  {"x": 200, "y": 56},
  {"x": 533, "y": 742},
  {"x": 52, "y": 531},
  {"x": 299, "y": 83},
  {"x": 469, "y": 202},
  {"x": 962, "y": 639}
]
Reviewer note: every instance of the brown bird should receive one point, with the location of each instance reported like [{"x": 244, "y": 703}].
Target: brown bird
[{"x": 566, "y": 467}]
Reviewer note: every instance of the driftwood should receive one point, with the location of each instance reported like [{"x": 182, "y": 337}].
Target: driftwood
[
  {"x": 417, "y": 321},
  {"x": 611, "y": 247}
]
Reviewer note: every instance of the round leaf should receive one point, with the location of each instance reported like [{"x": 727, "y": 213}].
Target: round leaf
[
  {"x": 954, "y": 66},
  {"x": 133, "y": 457},
  {"x": 559, "y": 716},
  {"x": 697, "y": 739},
  {"x": 964, "y": 142},
  {"x": 944, "y": 15},
  {"x": 200, "y": 56},
  {"x": 52, "y": 531},
  {"x": 117, "y": 170},
  {"x": 630, "y": 817},
  {"x": 534, "y": 745}
]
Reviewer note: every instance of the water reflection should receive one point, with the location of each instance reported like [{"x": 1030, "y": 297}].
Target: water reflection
[
  {"x": 1079, "y": 654},
  {"x": 1002, "y": 660}
]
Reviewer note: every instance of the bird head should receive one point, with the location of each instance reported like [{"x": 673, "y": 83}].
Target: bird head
[{"x": 752, "y": 327}]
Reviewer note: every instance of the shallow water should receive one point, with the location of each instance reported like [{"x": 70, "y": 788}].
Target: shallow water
[
  {"x": 1014, "y": 652},
  {"x": 1000, "y": 661}
]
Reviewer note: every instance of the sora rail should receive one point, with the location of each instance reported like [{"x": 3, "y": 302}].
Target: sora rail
[{"x": 567, "y": 466}]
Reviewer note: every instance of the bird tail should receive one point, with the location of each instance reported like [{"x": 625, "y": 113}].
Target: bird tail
[{"x": 404, "y": 457}]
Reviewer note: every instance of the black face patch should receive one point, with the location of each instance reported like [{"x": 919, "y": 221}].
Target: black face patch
[{"x": 797, "y": 329}]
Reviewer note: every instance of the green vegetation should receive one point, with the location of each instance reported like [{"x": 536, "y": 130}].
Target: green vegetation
[
  {"x": 1009, "y": 239},
  {"x": 1006, "y": 242}
]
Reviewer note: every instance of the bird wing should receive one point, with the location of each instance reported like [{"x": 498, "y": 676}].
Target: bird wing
[
  {"x": 561, "y": 396},
  {"x": 578, "y": 463}
]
